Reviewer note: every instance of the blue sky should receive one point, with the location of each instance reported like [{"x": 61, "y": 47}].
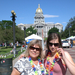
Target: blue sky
[{"x": 55, "y": 11}]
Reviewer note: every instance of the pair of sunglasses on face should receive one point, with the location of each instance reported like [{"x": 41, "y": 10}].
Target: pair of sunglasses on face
[
  {"x": 32, "y": 48},
  {"x": 55, "y": 44}
]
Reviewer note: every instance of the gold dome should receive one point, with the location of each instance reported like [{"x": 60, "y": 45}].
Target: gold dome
[{"x": 38, "y": 9}]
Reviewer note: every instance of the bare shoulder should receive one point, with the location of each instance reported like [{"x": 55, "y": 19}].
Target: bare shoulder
[
  {"x": 68, "y": 56},
  {"x": 67, "y": 53}
]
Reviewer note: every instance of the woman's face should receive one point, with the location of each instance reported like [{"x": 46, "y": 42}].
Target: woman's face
[
  {"x": 34, "y": 51},
  {"x": 53, "y": 45}
]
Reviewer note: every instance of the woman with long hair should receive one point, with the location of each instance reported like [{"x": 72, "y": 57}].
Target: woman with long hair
[
  {"x": 57, "y": 60},
  {"x": 31, "y": 63}
]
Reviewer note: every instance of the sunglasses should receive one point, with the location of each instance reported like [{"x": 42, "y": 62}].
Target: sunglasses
[
  {"x": 55, "y": 44},
  {"x": 37, "y": 49}
]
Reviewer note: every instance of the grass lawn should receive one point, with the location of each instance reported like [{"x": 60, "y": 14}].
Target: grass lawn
[{"x": 5, "y": 52}]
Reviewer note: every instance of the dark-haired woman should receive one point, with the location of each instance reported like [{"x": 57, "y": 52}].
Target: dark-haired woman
[{"x": 57, "y": 60}]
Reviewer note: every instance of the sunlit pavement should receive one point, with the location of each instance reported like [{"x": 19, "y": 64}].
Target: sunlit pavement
[{"x": 72, "y": 53}]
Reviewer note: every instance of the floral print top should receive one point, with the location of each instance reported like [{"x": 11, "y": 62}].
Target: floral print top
[{"x": 24, "y": 67}]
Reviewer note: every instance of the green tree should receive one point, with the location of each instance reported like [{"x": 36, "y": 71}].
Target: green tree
[
  {"x": 72, "y": 31},
  {"x": 4, "y": 24},
  {"x": 69, "y": 30},
  {"x": 30, "y": 31},
  {"x": 19, "y": 35},
  {"x": 52, "y": 30},
  {"x": 6, "y": 32},
  {"x": 1, "y": 36}
]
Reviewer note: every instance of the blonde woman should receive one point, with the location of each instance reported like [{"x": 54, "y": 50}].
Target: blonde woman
[{"x": 31, "y": 63}]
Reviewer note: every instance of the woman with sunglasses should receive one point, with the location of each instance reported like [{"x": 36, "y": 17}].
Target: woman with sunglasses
[
  {"x": 57, "y": 60},
  {"x": 32, "y": 63}
]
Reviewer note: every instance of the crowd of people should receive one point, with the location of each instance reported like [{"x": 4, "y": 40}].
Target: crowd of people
[{"x": 53, "y": 61}]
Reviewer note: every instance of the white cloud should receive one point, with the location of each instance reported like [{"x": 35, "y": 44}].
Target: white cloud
[{"x": 49, "y": 16}]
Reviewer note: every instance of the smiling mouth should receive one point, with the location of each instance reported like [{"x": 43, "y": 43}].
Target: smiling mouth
[
  {"x": 53, "y": 49},
  {"x": 34, "y": 53}
]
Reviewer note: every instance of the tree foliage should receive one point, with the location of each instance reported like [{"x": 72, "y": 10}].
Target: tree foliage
[
  {"x": 30, "y": 31},
  {"x": 4, "y": 24},
  {"x": 53, "y": 30},
  {"x": 19, "y": 35},
  {"x": 70, "y": 28},
  {"x": 6, "y": 32}
]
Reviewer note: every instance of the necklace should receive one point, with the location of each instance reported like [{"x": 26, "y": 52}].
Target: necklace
[
  {"x": 40, "y": 63},
  {"x": 52, "y": 64}
]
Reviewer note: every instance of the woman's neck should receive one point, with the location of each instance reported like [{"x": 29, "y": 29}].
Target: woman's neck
[
  {"x": 35, "y": 60},
  {"x": 53, "y": 54}
]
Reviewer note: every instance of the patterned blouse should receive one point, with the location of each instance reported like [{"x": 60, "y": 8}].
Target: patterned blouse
[{"x": 24, "y": 67}]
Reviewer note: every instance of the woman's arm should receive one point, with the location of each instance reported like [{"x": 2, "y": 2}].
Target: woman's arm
[
  {"x": 15, "y": 72},
  {"x": 22, "y": 55},
  {"x": 69, "y": 62}
]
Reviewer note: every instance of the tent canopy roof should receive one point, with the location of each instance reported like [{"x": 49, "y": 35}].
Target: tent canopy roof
[
  {"x": 72, "y": 37},
  {"x": 33, "y": 36}
]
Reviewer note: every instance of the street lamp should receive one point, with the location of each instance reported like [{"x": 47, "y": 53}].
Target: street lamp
[
  {"x": 5, "y": 35},
  {"x": 25, "y": 35},
  {"x": 13, "y": 19},
  {"x": 24, "y": 31}
]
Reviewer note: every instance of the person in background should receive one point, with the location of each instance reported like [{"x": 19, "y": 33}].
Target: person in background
[
  {"x": 56, "y": 60},
  {"x": 31, "y": 63},
  {"x": 71, "y": 43}
]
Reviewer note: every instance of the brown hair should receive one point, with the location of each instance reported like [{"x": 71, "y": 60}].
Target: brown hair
[{"x": 53, "y": 36}]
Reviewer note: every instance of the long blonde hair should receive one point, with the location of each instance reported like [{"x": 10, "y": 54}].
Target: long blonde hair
[{"x": 34, "y": 42}]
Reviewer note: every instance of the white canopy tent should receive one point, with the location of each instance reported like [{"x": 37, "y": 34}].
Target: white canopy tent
[
  {"x": 72, "y": 37},
  {"x": 33, "y": 36}
]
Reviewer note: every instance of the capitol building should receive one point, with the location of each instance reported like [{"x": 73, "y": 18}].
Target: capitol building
[{"x": 40, "y": 25}]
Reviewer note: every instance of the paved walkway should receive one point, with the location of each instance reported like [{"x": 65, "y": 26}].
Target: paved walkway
[{"x": 72, "y": 53}]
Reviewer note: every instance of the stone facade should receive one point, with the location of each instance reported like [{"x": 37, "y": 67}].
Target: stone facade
[{"x": 40, "y": 25}]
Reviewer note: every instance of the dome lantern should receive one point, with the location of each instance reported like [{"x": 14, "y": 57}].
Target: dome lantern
[{"x": 38, "y": 9}]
